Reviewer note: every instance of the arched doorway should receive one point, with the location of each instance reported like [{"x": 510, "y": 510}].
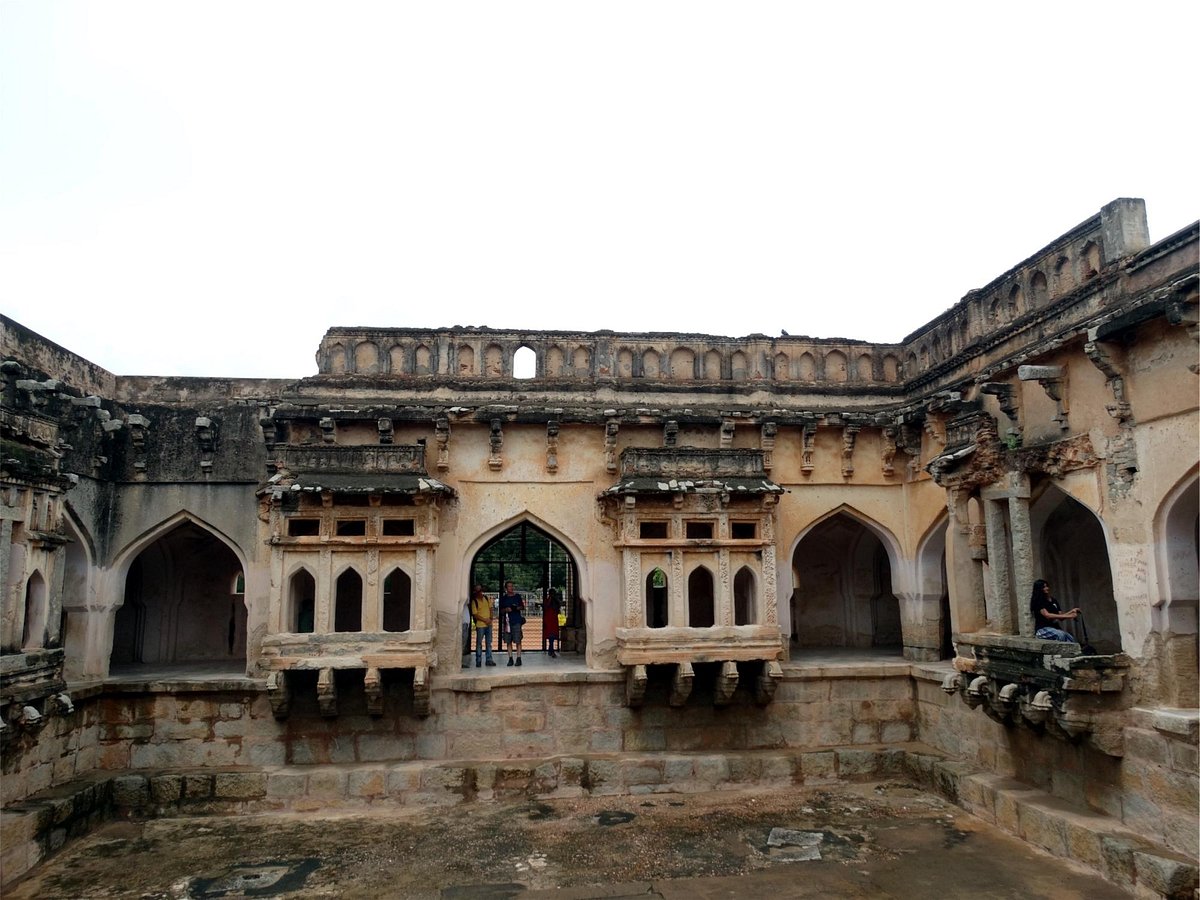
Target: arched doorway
[
  {"x": 181, "y": 605},
  {"x": 535, "y": 562},
  {"x": 1074, "y": 560},
  {"x": 1177, "y": 534},
  {"x": 843, "y": 588}
]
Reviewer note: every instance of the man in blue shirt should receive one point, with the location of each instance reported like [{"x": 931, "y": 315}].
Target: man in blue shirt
[{"x": 512, "y": 608}]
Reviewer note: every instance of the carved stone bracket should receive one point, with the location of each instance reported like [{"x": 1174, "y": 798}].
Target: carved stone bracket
[
  {"x": 611, "y": 427},
  {"x": 887, "y": 451},
  {"x": 552, "y": 446},
  {"x": 421, "y": 696},
  {"x": 769, "y": 430},
  {"x": 1053, "y": 380},
  {"x": 442, "y": 435},
  {"x": 373, "y": 687},
  {"x": 496, "y": 442},
  {"x": 1007, "y": 396},
  {"x": 767, "y": 682},
  {"x": 328, "y": 430},
  {"x": 327, "y": 692},
  {"x": 670, "y": 433},
  {"x": 1047, "y": 687},
  {"x": 681, "y": 684},
  {"x": 849, "y": 437},
  {"x": 280, "y": 694},
  {"x": 386, "y": 431},
  {"x": 808, "y": 439},
  {"x": 635, "y": 685},
  {"x": 206, "y": 437},
  {"x": 1107, "y": 358},
  {"x": 727, "y": 682},
  {"x": 727, "y": 429}
]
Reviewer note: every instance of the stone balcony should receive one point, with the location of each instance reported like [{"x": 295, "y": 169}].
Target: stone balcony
[
  {"x": 1047, "y": 686},
  {"x": 368, "y": 652},
  {"x": 683, "y": 648}
]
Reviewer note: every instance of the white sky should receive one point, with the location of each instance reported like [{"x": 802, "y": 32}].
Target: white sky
[{"x": 203, "y": 188}]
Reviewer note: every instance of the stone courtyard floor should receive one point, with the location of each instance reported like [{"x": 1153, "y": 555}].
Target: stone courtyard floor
[{"x": 844, "y": 840}]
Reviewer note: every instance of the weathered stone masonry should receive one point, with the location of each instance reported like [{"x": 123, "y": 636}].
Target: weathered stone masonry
[{"x": 786, "y": 546}]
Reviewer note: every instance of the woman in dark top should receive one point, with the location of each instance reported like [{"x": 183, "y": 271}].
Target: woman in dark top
[{"x": 1046, "y": 614}]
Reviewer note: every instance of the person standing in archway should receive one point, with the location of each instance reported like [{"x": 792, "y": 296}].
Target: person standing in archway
[
  {"x": 551, "y": 607},
  {"x": 481, "y": 617},
  {"x": 1046, "y": 614},
  {"x": 513, "y": 607}
]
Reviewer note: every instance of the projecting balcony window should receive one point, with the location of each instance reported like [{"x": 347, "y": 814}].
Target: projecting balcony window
[{"x": 304, "y": 527}]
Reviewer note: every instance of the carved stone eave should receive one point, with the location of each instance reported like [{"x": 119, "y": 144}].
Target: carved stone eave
[{"x": 1046, "y": 686}]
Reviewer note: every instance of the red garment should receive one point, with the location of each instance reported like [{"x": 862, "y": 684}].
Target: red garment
[{"x": 550, "y": 620}]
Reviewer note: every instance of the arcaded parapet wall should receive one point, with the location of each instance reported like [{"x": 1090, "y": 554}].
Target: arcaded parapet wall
[{"x": 663, "y": 359}]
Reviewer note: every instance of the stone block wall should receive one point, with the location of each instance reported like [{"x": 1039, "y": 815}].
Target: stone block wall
[{"x": 1152, "y": 789}]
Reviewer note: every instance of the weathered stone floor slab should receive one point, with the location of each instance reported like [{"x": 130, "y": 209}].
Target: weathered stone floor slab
[{"x": 872, "y": 840}]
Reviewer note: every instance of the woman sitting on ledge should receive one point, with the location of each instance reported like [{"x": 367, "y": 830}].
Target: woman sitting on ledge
[{"x": 1046, "y": 613}]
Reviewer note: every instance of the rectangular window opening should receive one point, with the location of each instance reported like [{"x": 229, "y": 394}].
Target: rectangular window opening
[
  {"x": 699, "y": 531},
  {"x": 399, "y": 528},
  {"x": 743, "y": 531},
  {"x": 351, "y": 527},
  {"x": 651, "y": 531},
  {"x": 304, "y": 527}
]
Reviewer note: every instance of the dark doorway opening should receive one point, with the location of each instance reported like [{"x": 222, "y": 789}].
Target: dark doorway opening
[{"x": 535, "y": 562}]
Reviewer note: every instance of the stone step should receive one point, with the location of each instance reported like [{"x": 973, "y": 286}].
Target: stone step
[{"x": 1062, "y": 829}]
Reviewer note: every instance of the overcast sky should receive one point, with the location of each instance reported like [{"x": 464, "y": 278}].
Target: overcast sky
[{"x": 203, "y": 188}]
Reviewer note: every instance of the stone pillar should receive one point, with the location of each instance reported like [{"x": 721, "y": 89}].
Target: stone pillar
[
  {"x": 677, "y": 595},
  {"x": 723, "y": 613},
  {"x": 920, "y": 626},
  {"x": 964, "y": 575},
  {"x": 323, "y": 604},
  {"x": 1000, "y": 611},
  {"x": 1022, "y": 558}
]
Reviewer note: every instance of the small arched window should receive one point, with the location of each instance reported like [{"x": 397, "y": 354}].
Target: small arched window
[
  {"x": 744, "y": 603},
  {"x": 656, "y": 599},
  {"x": 397, "y": 601},
  {"x": 302, "y": 603},
  {"x": 347, "y": 608},
  {"x": 524, "y": 363},
  {"x": 701, "y": 608}
]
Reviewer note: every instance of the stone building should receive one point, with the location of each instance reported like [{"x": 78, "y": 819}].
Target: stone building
[{"x": 247, "y": 594}]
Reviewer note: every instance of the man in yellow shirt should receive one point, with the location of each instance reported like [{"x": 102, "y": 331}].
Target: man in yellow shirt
[{"x": 481, "y": 617}]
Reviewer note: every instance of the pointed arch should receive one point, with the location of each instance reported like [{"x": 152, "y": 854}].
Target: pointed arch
[
  {"x": 125, "y": 558},
  {"x": 930, "y": 550},
  {"x": 348, "y": 601},
  {"x": 657, "y": 604},
  {"x": 890, "y": 543},
  {"x": 397, "y": 601},
  {"x": 176, "y": 602},
  {"x": 486, "y": 537},
  {"x": 37, "y": 612},
  {"x": 1177, "y": 542},
  {"x": 301, "y": 608},
  {"x": 745, "y": 597},
  {"x": 1071, "y": 550},
  {"x": 701, "y": 598}
]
